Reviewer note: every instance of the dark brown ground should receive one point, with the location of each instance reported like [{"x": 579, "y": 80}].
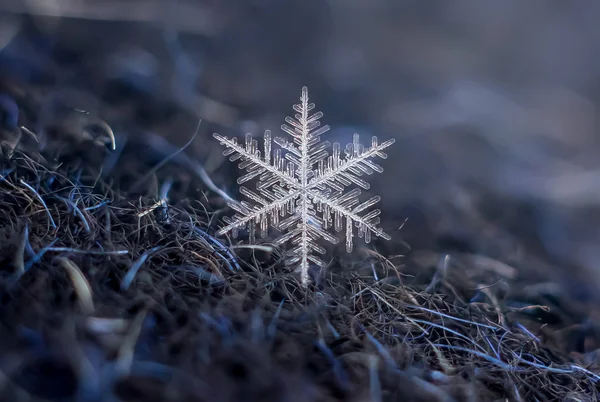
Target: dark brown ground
[{"x": 105, "y": 297}]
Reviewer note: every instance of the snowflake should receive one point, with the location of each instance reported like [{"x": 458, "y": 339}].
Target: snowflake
[{"x": 301, "y": 187}]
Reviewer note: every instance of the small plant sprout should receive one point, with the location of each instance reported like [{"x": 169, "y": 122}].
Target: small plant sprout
[{"x": 302, "y": 190}]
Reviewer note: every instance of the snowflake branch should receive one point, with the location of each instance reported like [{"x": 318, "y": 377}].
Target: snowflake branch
[
  {"x": 256, "y": 160},
  {"x": 242, "y": 220},
  {"x": 363, "y": 221},
  {"x": 350, "y": 163}
]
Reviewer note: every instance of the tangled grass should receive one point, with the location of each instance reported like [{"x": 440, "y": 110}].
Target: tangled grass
[{"x": 114, "y": 288}]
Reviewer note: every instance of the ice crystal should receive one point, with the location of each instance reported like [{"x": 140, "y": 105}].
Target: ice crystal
[{"x": 302, "y": 190}]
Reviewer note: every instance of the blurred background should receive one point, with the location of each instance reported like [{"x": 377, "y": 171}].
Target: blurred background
[{"x": 493, "y": 104}]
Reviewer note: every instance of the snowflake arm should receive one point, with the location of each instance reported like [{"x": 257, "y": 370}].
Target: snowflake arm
[
  {"x": 251, "y": 160},
  {"x": 366, "y": 224},
  {"x": 246, "y": 213},
  {"x": 301, "y": 188},
  {"x": 357, "y": 162}
]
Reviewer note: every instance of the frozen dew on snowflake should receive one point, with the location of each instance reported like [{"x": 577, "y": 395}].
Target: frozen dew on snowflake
[{"x": 302, "y": 190}]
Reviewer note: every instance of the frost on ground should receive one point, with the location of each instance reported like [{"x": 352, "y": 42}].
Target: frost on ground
[{"x": 301, "y": 188}]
